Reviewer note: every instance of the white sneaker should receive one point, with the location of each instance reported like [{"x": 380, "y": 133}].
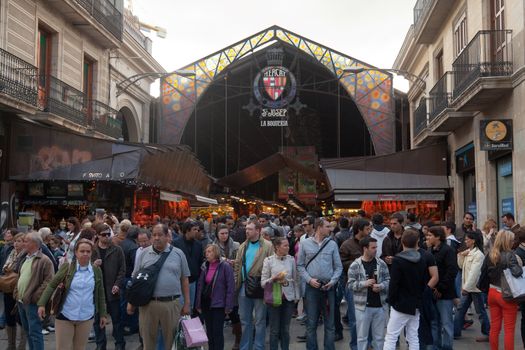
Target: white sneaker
[
  {"x": 45, "y": 332},
  {"x": 51, "y": 328}
]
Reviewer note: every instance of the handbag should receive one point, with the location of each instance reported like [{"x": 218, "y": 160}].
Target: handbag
[
  {"x": 8, "y": 282},
  {"x": 273, "y": 294},
  {"x": 58, "y": 297},
  {"x": 252, "y": 284},
  {"x": 194, "y": 334},
  {"x": 513, "y": 288}
]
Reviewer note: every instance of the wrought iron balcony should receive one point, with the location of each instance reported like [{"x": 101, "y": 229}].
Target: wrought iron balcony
[
  {"x": 488, "y": 54},
  {"x": 18, "y": 79},
  {"x": 106, "y": 14},
  {"x": 105, "y": 119},
  {"x": 440, "y": 96},
  {"x": 59, "y": 98},
  {"x": 429, "y": 18},
  {"x": 420, "y": 118}
]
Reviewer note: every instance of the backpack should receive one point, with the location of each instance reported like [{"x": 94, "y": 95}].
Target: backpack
[{"x": 142, "y": 285}]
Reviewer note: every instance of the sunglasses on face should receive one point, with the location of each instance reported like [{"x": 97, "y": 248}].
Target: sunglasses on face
[{"x": 105, "y": 233}]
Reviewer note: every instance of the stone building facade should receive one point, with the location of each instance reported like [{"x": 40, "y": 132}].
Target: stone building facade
[{"x": 470, "y": 55}]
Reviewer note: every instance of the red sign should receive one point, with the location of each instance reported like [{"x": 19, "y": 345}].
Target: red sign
[{"x": 274, "y": 86}]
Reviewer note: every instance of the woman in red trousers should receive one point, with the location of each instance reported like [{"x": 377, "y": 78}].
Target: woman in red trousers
[{"x": 500, "y": 258}]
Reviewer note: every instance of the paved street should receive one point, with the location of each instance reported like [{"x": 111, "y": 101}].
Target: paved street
[{"x": 467, "y": 342}]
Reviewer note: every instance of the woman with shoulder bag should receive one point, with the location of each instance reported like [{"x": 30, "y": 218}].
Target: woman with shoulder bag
[
  {"x": 82, "y": 299},
  {"x": 229, "y": 249},
  {"x": 11, "y": 265},
  {"x": 500, "y": 258},
  {"x": 215, "y": 292},
  {"x": 280, "y": 268}
]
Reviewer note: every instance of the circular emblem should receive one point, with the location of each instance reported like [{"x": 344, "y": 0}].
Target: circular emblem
[
  {"x": 275, "y": 87},
  {"x": 496, "y": 131}
]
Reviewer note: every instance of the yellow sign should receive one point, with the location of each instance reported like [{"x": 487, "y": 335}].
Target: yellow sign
[{"x": 496, "y": 131}]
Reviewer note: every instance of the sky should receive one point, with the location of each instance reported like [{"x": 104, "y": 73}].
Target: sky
[{"x": 371, "y": 31}]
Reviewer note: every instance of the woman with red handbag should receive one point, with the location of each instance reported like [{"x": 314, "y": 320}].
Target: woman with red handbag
[{"x": 81, "y": 296}]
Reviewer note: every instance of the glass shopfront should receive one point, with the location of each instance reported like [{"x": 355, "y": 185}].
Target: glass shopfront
[
  {"x": 465, "y": 168},
  {"x": 505, "y": 187}
]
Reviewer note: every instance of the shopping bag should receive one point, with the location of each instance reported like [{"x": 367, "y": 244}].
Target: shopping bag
[
  {"x": 513, "y": 288},
  {"x": 273, "y": 294},
  {"x": 194, "y": 333}
]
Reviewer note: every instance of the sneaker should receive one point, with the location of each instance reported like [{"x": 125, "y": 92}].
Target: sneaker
[
  {"x": 91, "y": 338},
  {"x": 51, "y": 329},
  {"x": 301, "y": 338},
  {"x": 45, "y": 332},
  {"x": 301, "y": 318},
  {"x": 468, "y": 323}
]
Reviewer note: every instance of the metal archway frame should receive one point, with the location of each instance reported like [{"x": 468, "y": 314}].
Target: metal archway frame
[{"x": 371, "y": 89}]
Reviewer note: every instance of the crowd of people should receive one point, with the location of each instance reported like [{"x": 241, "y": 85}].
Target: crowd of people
[{"x": 259, "y": 272}]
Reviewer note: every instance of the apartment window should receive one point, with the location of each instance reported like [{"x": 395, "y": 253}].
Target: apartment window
[
  {"x": 440, "y": 66},
  {"x": 498, "y": 14},
  {"x": 43, "y": 64},
  {"x": 460, "y": 35},
  {"x": 87, "y": 87}
]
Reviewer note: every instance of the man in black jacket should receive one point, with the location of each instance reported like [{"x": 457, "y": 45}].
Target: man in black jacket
[
  {"x": 445, "y": 291},
  {"x": 405, "y": 291},
  {"x": 189, "y": 243},
  {"x": 110, "y": 258},
  {"x": 392, "y": 242}
]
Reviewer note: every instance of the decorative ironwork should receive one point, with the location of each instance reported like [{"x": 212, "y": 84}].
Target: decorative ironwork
[
  {"x": 488, "y": 54},
  {"x": 440, "y": 96},
  {"x": 370, "y": 89},
  {"x": 420, "y": 118},
  {"x": 105, "y": 119},
  {"x": 18, "y": 78},
  {"x": 106, "y": 14},
  {"x": 62, "y": 99}
]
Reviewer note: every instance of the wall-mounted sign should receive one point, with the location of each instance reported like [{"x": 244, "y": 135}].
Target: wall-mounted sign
[
  {"x": 496, "y": 135},
  {"x": 274, "y": 89}
]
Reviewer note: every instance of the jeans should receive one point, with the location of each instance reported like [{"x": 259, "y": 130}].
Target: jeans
[
  {"x": 339, "y": 292},
  {"x": 32, "y": 325},
  {"x": 396, "y": 323},
  {"x": 351, "y": 318},
  {"x": 280, "y": 318},
  {"x": 247, "y": 308},
  {"x": 320, "y": 301},
  {"x": 370, "y": 321},
  {"x": 113, "y": 308},
  {"x": 130, "y": 321},
  {"x": 477, "y": 298},
  {"x": 443, "y": 324},
  {"x": 522, "y": 308},
  {"x": 193, "y": 289}
]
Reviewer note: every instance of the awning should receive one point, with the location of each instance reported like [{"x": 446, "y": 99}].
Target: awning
[
  {"x": 42, "y": 153},
  {"x": 419, "y": 174},
  {"x": 265, "y": 168},
  {"x": 206, "y": 200}
]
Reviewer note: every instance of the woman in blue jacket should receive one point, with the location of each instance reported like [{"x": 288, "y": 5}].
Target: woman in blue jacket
[{"x": 215, "y": 292}]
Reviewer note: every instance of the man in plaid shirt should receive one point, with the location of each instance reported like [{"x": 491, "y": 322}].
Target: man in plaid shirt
[{"x": 368, "y": 278}]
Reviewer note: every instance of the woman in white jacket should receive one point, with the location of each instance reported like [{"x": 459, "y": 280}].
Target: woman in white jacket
[{"x": 470, "y": 261}]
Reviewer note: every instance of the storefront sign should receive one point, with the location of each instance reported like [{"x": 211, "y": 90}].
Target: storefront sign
[
  {"x": 507, "y": 205},
  {"x": 170, "y": 197},
  {"x": 496, "y": 135}
]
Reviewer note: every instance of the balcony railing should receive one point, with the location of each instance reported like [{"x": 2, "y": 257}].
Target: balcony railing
[
  {"x": 488, "y": 54},
  {"x": 440, "y": 96},
  {"x": 57, "y": 97},
  {"x": 420, "y": 118},
  {"x": 419, "y": 10},
  {"x": 105, "y": 119},
  {"x": 106, "y": 14},
  {"x": 137, "y": 35},
  {"x": 18, "y": 78}
]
